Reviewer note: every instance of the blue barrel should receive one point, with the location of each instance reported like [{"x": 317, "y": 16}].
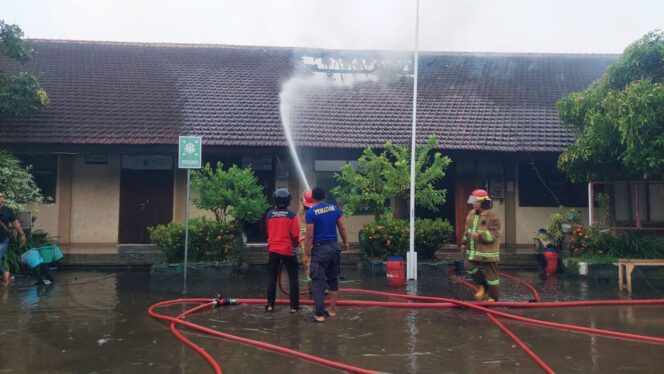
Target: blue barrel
[{"x": 32, "y": 258}]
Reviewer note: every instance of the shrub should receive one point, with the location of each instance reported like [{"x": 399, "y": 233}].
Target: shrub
[
  {"x": 430, "y": 235},
  {"x": 233, "y": 195},
  {"x": 378, "y": 178},
  {"x": 391, "y": 237},
  {"x": 565, "y": 216},
  {"x": 170, "y": 239},
  {"x": 632, "y": 244},
  {"x": 209, "y": 240},
  {"x": 385, "y": 238},
  {"x": 582, "y": 240}
]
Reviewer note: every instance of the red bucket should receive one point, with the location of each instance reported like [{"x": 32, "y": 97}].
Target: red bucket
[
  {"x": 551, "y": 258},
  {"x": 395, "y": 271}
]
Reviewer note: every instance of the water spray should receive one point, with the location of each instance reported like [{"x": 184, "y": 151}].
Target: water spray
[{"x": 284, "y": 109}]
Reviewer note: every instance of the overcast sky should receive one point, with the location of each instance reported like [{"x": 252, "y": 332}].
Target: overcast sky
[{"x": 578, "y": 26}]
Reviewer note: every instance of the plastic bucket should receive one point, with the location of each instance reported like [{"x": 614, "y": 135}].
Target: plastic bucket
[
  {"x": 50, "y": 253},
  {"x": 551, "y": 258},
  {"x": 395, "y": 271},
  {"x": 32, "y": 258}
]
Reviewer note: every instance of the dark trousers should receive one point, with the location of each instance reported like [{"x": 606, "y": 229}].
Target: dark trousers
[
  {"x": 325, "y": 267},
  {"x": 485, "y": 274},
  {"x": 273, "y": 272},
  {"x": 43, "y": 272}
]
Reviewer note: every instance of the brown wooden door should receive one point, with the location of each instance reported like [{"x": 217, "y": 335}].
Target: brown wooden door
[{"x": 146, "y": 199}]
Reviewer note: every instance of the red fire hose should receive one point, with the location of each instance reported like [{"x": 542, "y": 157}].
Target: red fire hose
[{"x": 426, "y": 302}]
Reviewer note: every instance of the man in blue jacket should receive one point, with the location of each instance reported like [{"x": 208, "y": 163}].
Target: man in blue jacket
[{"x": 322, "y": 245}]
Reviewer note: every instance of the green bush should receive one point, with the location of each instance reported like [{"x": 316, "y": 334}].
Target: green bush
[
  {"x": 385, "y": 238},
  {"x": 12, "y": 259},
  {"x": 583, "y": 240},
  {"x": 391, "y": 237},
  {"x": 209, "y": 240},
  {"x": 430, "y": 235},
  {"x": 170, "y": 239},
  {"x": 631, "y": 244},
  {"x": 564, "y": 216},
  {"x": 233, "y": 195}
]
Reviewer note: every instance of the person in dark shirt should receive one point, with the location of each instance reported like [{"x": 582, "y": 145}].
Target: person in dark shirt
[
  {"x": 283, "y": 232},
  {"x": 7, "y": 218},
  {"x": 321, "y": 244}
]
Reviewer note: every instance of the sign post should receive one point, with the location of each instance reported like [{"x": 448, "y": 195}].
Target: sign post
[{"x": 189, "y": 157}]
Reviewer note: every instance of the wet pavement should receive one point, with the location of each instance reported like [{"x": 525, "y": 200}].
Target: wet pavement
[{"x": 96, "y": 322}]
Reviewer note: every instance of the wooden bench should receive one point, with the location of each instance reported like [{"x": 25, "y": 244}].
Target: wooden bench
[{"x": 629, "y": 265}]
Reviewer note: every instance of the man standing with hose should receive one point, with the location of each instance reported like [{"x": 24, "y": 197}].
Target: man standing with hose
[
  {"x": 481, "y": 244},
  {"x": 282, "y": 237},
  {"x": 321, "y": 244}
]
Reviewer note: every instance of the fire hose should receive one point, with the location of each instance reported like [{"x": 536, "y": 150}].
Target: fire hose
[{"x": 423, "y": 302}]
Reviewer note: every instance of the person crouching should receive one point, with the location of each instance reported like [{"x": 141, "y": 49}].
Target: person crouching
[{"x": 283, "y": 231}]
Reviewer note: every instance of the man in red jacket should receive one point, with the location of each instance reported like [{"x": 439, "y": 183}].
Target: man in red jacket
[{"x": 283, "y": 232}]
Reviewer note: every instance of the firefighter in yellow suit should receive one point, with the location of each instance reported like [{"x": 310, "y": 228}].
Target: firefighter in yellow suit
[{"x": 481, "y": 244}]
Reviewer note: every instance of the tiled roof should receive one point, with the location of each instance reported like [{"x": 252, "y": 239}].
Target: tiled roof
[{"x": 128, "y": 93}]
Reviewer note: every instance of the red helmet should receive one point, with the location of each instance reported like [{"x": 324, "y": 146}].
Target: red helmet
[
  {"x": 308, "y": 199},
  {"x": 478, "y": 196}
]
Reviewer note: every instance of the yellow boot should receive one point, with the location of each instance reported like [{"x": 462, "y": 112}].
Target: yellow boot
[{"x": 481, "y": 292}]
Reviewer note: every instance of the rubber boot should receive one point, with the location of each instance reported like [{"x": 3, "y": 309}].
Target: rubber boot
[{"x": 481, "y": 292}]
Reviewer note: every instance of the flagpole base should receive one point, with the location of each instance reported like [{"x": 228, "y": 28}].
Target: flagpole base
[{"x": 411, "y": 265}]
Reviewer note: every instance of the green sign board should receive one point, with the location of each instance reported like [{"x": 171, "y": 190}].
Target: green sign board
[{"x": 189, "y": 152}]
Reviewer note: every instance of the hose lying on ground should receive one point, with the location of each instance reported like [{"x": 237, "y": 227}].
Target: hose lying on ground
[{"x": 423, "y": 302}]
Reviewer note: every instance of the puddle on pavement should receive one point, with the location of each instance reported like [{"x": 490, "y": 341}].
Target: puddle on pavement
[{"x": 91, "y": 322}]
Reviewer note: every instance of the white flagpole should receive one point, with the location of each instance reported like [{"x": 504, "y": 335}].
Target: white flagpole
[{"x": 411, "y": 260}]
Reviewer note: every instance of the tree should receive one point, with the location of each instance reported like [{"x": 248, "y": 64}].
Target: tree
[
  {"x": 619, "y": 119},
  {"x": 232, "y": 195},
  {"x": 20, "y": 94},
  {"x": 17, "y": 183},
  {"x": 378, "y": 178}
]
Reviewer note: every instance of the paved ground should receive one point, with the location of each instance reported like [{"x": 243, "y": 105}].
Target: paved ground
[{"x": 96, "y": 322}]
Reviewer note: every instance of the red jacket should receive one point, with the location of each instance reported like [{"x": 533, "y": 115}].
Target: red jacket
[{"x": 283, "y": 231}]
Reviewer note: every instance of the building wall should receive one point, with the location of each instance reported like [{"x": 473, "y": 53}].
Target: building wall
[
  {"x": 90, "y": 221},
  {"x": 47, "y": 218},
  {"x": 95, "y": 202},
  {"x": 530, "y": 219}
]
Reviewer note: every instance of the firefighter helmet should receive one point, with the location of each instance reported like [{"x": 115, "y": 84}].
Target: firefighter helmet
[
  {"x": 479, "y": 196},
  {"x": 308, "y": 199},
  {"x": 282, "y": 198}
]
